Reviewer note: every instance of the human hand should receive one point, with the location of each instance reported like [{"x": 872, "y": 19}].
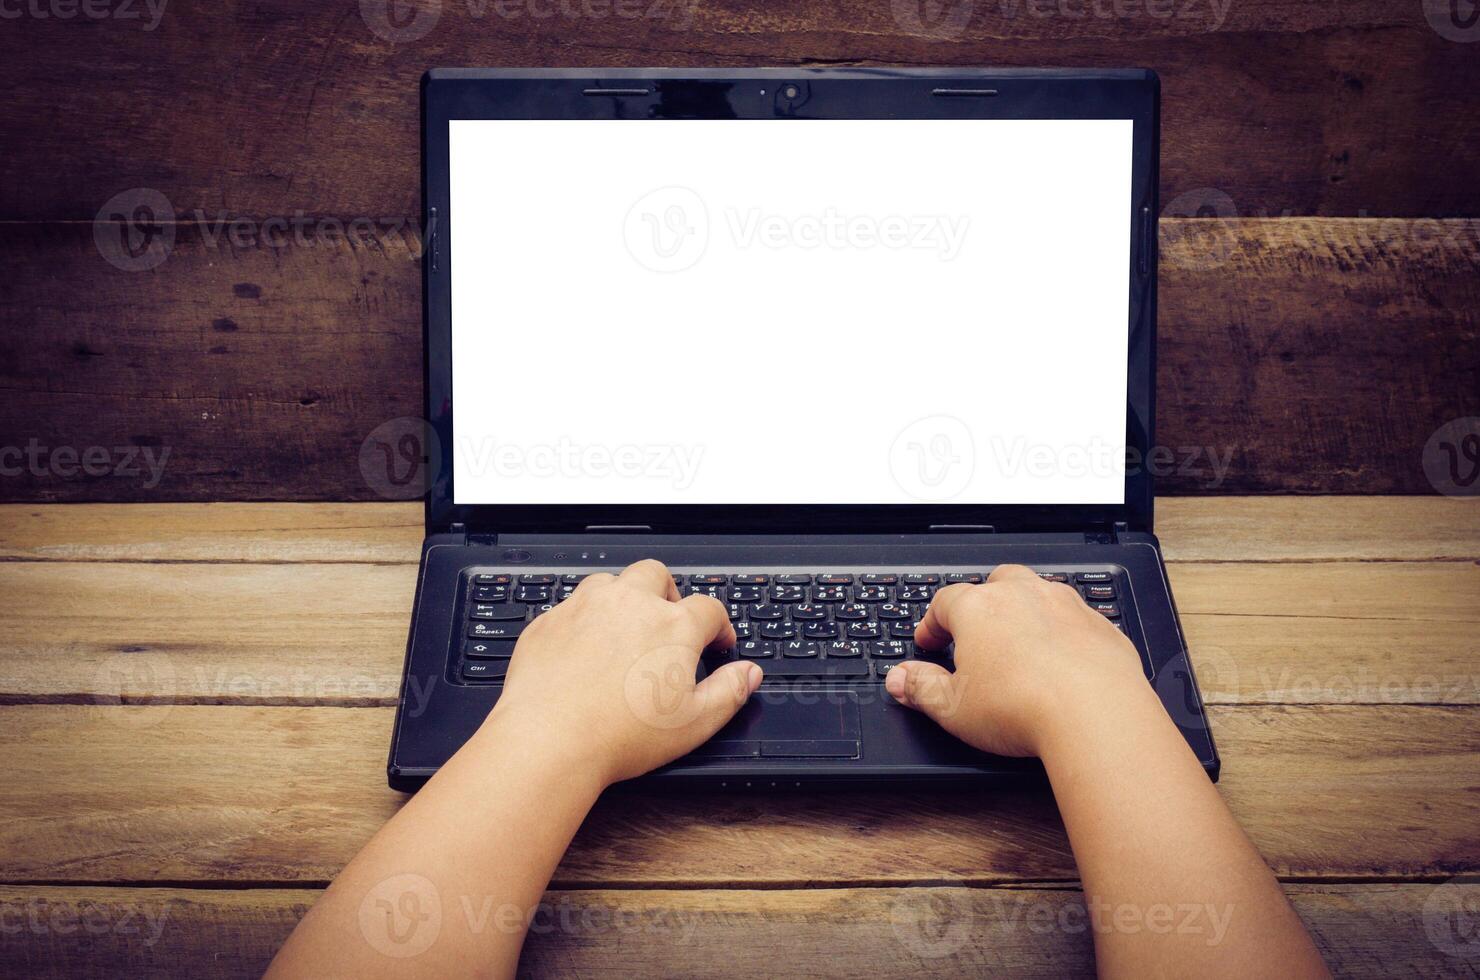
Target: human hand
[
  {"x": 605, "y": 680},
  {"x": 1030, "y": 655}
]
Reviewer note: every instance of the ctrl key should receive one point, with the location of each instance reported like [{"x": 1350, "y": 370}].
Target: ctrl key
[{"x": 484, "y": 670}]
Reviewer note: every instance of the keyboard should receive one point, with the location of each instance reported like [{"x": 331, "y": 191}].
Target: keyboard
[{"x": 846, "y": 626}]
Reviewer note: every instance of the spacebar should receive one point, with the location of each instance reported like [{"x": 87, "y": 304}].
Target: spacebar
[{"x": 815, "y": 668}]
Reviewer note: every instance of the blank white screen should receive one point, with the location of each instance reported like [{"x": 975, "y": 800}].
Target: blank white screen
[{"x": 789, "y": 311}]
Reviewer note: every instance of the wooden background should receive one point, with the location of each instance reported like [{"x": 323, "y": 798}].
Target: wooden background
[{"x": 1321, "y": 273}]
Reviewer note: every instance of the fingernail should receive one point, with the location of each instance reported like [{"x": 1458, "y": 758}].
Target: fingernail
[{"x": 894, "y": 682}]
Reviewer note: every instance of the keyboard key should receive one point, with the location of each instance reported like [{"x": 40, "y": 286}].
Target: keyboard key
[
  {"x": 890, "y": 649},
  {"x": 500, "y": 610},
  {"x": 830, "y": 593},
  {"x": 532, "y": 593},
  {"x": 766, "y": 611},
  {"x": 708, "y": 579},
  {"x": 1107, "y": 609},
  {"x": 778, "y": 631},
  {"x": 835, "y": 578},
  {"x": 801, "y": 648},
  {"x": 1102, "y": 592},
  {"x": 808, "y": 611},
  {"x": 1054, "y": 577},
  {"x": 536, "y": 580},
  {"x": 881, "y": 668},
  {"x": 877, "y": 578},
  {"x": 1086, "y": 578},
  {"x": 820, "y": 631},
  {"x": 489, "y": 649},
  {"x": 917, "y": 578},
  {"x": 850, "y": 612},
  {"x": 825, "y": 668},
  {"x": 565, "y": 592},
  {"x": 869, "y": 630},
  {"x": 747, "y": 593},
  {"x": 902, "y": 629},
  {"x": 713, "y": 591},
  {"x": 788, "y": 593},
  {"x": 755, "y": 649},
  {"x": 916, "y": 593},
  {"x": 490, "y": 593},
  {"x": 750, "y": 579},
  {"x": 487, "y": 579},
  {"x": 494, "y": 631},
  {"x": 744, "y": 631},
  {"x": 873, "y": 593},
  {"x": 844, "y": 649},
  {"x": 893, "y": 610},
  {"x": 484, "y": 670},
  {"x": 794, "y": 579},
  {"x": 970, "y": 578},
  {"x": 737, "y": 612}
]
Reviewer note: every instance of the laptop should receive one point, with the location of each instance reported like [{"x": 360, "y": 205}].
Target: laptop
[{"x": 821, "y": 341}]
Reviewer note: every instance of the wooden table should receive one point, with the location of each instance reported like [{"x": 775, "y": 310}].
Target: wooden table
[{"x": 256, "y": 650}]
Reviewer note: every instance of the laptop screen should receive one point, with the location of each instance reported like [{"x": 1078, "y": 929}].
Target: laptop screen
[{"x": 790, "y": 311}]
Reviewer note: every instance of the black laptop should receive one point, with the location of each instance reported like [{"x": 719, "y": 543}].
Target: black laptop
[{"x": 821, "y": 341}]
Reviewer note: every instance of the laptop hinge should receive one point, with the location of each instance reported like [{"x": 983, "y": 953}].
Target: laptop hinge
[
  {"x": 962, "y": 529},
  {"x": 1107, "y": 537},
  {"x": 459, "y": 529},
  {"x": 619, "y": 528}
]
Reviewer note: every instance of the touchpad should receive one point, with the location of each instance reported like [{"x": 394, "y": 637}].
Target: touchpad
[{"x": 789, "y": 725}]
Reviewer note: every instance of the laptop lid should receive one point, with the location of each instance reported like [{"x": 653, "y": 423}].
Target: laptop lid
[{"x": 828, "y": 300}]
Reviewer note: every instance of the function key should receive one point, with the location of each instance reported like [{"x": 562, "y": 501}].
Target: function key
[
  {"x": 1054, "y": 577},
  {"x": 709, "y": 579},
  {"x": 921, "y": 578},
  {"x": 491, "y": 579},
  {"x": 794, "y": 579},
  {"x": 750, "y": 578},
  {"x": 835, "y": 578},
  {"x": 536, "y": 580},
  {"x": 879, "y": 579},
  {"x": 572, "y": 578},
  {"x": 1087, "y": 577},
  {"x": 970, "y": 578}
]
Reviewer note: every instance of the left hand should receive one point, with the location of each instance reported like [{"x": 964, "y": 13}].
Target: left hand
[{"x": 606, "y": 679}]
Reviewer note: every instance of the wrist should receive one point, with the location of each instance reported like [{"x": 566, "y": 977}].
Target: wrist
[
  {"x": 1094, "y": 707},
  {"x": 535, "y": 750}
]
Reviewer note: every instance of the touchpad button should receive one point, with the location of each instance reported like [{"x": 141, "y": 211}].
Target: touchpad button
[{"x": 798, "y": 725}]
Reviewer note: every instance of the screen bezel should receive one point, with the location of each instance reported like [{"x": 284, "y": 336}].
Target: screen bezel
[{"x": 449, "y": 94}]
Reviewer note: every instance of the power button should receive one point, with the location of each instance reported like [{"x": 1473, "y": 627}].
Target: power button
[{"x": 516, "y": 554}]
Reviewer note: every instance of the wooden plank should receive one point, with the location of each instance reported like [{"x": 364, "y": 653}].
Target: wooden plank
[
  {"x": 1361, "y": 930},
  {"x": 335, "y": 633},
  {"x": 1242, "y": 529},
  {"x": 1295, "y": 107},
  {"x": 197, "y": 794},
  {"x": 1341, "y": 346}
]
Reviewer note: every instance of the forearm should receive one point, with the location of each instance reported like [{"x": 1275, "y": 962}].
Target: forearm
[
  {"x": 448, "y": 885},
  {"x": 1172, "y": 884}
]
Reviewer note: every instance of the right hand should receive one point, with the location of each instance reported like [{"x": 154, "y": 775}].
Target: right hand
[{"x": 1029, "y": 655}]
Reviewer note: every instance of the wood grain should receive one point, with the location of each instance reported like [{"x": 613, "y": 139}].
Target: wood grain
[
  {"x": 1298, "y": 107},
  {"x": 1361, "y": 930},
  {"x": 1241, "y": 529},
  {"x": 1310, "y": 356},
  {"x": 171, "y": 794}
]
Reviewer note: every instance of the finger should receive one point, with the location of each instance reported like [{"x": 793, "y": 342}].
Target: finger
[
  {"x": 722, "y": 694},
  {"x": 1010, "y": 572},
  {"x": 650, "y": 575},
  {"x": 928, "y": 688},
  {"x": 593, "y": 580},
  {"x": 712, "y": 619},
  {"x": 934, "y": 631}
]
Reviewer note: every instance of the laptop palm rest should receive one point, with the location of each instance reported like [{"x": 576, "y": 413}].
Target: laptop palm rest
[{"x": 813, "y": 724}]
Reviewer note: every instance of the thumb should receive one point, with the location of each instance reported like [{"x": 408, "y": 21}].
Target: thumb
[
  {"x": 723, "y": 693},
  {"x": 928, "y": 688}
]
